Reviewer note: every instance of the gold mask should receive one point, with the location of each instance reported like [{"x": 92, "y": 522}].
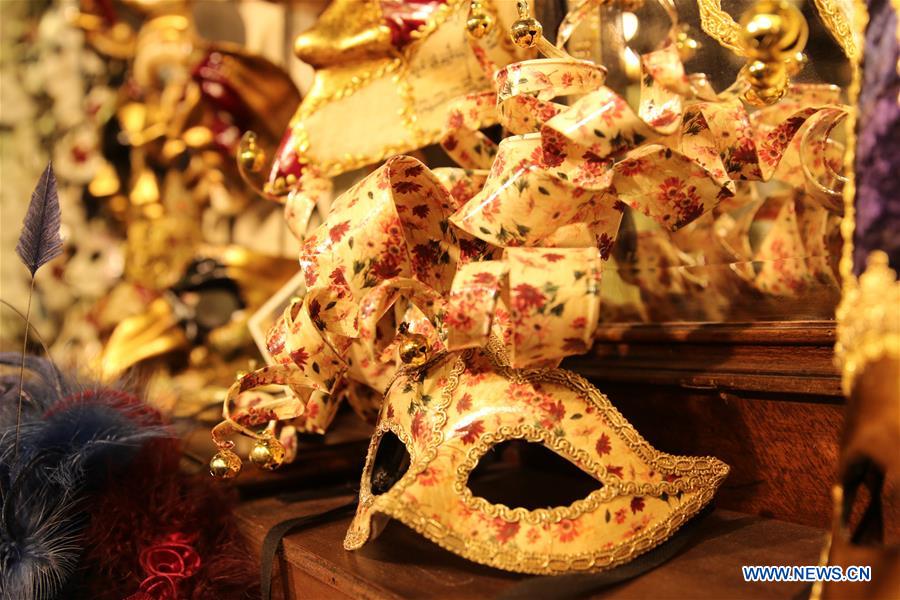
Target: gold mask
[{"x": 455, "y": 408}]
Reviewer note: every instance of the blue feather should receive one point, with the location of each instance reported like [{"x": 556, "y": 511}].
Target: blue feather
[
  {"x": 62, "y": 457},
  {"x": 40, "y": 242}
]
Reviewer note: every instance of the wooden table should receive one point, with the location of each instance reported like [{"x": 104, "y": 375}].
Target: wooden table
[{"x": 400, "y": 564}]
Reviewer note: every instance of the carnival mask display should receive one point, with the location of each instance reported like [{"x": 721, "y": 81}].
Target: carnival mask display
[
  {"x": 540, "y": 303},
  {"x": 456, "y": 292},
  {"x": 193, "y": 272}
]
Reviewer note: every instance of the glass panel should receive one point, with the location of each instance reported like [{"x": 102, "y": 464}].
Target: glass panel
[{"x": 771, "y": 251}]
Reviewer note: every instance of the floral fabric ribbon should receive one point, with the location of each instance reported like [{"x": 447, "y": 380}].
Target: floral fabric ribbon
[{"x": 513, "y": 242}]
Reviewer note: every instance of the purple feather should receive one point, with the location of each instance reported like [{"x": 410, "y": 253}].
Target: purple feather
[{"x": 40, "y": 241}]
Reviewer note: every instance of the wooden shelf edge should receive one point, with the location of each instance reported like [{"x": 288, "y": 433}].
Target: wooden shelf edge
[
  {"x": 759, "y": 332},
  {"x": 828, "y": 387},
  {"x": 401, "y": 564}
]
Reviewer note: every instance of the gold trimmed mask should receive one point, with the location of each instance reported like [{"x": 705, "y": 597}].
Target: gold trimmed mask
[
  {"x": 388, "y": 75},
  {"x": 452, "y": 410}
]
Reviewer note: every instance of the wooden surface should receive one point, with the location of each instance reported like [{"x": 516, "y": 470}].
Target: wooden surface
[
  {"x": 765, "y": 332},
  {"x": 763, "y": 397},
  {"x": 779, "y": 358},
  {"x": 401, "y": 564},
  {"x": 783, "y": 454}
]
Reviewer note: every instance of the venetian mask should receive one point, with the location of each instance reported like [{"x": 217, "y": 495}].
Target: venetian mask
[
  {"x": 388, "y": 71},
  {"x": 451, "y": 411}
]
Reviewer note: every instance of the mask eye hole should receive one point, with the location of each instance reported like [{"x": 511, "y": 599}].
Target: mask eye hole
[
  {"x": 522, "y": 474},
  {"x": 390, "y": 464}
]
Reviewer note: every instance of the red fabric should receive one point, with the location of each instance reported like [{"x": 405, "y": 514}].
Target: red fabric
[
  {"x": 137, "y": 411},
  {"x": 167, "y": 562},
  {"x": 403, "y": 17},
  {"x": 287, "y": 159},
  {"x": 157, "y": 533}
]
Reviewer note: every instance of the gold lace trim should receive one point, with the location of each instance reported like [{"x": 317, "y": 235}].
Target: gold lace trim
[
  {"x": 397, "y": 66},
  {"x": 700, "y": 474}
]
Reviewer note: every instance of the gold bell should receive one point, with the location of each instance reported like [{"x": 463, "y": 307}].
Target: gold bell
[
  {"x": 267, "y": 453},
  {"x": 225, "y": 464},
  {"x": 766, "y": 74},
  {"x": 250, "y": 156},
  {"x": 768, "y": 82},
  {"x": 773, "y": 29},
  {"x": 414, "y": 349},
  {"x": 526, "y": 32},
  {"x": 479, "y": 24}
]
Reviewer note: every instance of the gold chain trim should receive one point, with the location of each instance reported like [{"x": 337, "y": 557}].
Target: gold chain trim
[
  {"x": 396, "y": 66},
  {"x": 868, "y": 320},
  {"x": 836, "y": 22},
  {"x": 692, "y": 470},
  {"x": 719, "y": 25}
]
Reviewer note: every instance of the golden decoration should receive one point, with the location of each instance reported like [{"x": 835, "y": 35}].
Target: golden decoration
[
  {"x": 413, "y": 350},
  {"x": 480, "y": 21},
  {"x": 719, "y": 25},
  {"x": 347, "y": 30},
  {"x": 251, "y": 157},
  {"x": 772, "y": 34},
  {"x": 225, "y": 464},
  {"x": 839, "y": 26},
  {"x": 773, "y": 28},
  {"x": 267, "y": 453},
  {"x": 150, "y": 333},
  {"x": 334, "y": 84},
  {"x": 526, "y": 32},
  {"x": 848, "y": 221},
  {"x": 868, "y": 320}
]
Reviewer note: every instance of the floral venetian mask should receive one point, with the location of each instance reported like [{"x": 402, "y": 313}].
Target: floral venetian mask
[{"x": 449, "y": 412}]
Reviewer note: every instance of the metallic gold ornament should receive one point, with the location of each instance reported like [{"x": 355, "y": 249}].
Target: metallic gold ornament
[
  {"x": 251, "y": 157},
  {"x": 762, "y": 74},
  {"x": 480, "y": 22},
  {"x": 346, "y": 31},
  {"x": 414, "y": 349},
  {"x": 764, "y": 96},
  {"x": 834, "y": 14},
  {"x": 773, "y": 29},
  {"x": 526, "y": 32},
  {"x": 772, "y": 34},
  {"x": 225, "y": 464},
  {"x": 267, "y": 453},
  {"x": 868, "y": 327}
]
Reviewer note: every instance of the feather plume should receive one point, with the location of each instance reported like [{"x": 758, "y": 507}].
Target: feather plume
[
  {"x": 40, "y": 241},
  {"x": 67, "y": 449},
  {"x": 94, "y": 483}
]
